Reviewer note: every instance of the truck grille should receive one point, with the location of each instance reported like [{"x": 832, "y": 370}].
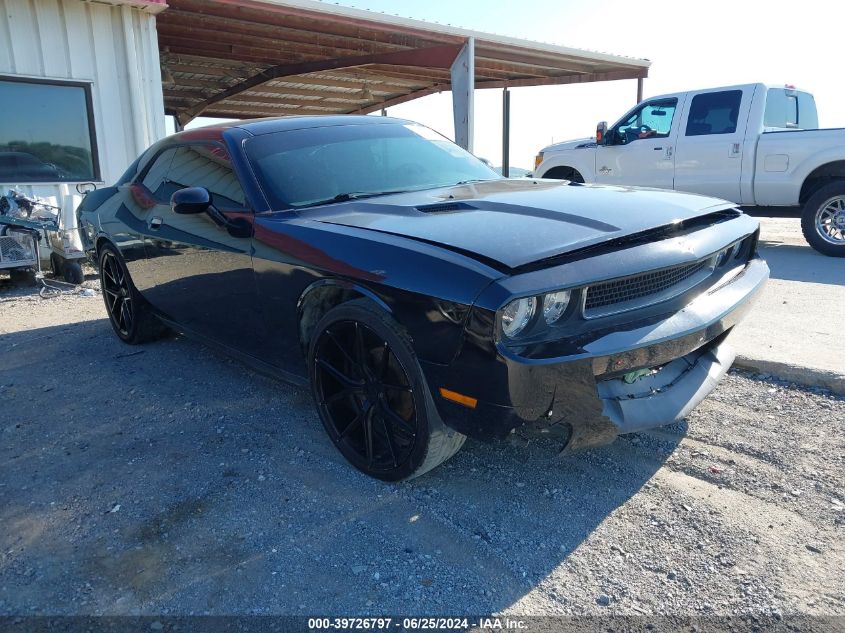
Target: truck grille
[{"x": 629, "y": 293}]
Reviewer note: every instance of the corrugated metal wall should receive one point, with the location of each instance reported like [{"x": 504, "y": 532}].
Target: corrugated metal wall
[{"x": 116, "y": 48}]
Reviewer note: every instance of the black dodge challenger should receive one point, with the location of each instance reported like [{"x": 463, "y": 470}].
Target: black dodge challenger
[{"x": 423, "y": 297}]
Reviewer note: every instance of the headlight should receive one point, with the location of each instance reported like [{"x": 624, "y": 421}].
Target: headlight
[
  {"x": 728, "y": 253},
  {"x": 554, "y": 305},
  {"x": 538, "y": 159},
  {"x": 517, "y": 314}
]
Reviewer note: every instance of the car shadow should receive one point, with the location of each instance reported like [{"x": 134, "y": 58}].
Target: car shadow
[
  {"x": 802, "y": 263},
  {"x": 169, "y": 479}
]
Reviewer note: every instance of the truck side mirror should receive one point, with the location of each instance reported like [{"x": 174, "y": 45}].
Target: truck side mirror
[{"x": 601, "y": 132}]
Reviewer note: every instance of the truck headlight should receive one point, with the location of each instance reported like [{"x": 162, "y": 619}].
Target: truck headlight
[
  {"x": 554, "y": 305},
  {"x": 517, "y": 314}
]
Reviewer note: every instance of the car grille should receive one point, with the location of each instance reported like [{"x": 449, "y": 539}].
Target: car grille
[{"x": 632, "y": 292}]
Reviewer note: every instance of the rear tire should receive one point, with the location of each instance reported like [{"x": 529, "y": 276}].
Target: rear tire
[
  {"x": 72, "y": 272},
  {"x": 372, "y": 397},
  {"x": 823, "y": 220},
  {"x": 130, "y": 315}
]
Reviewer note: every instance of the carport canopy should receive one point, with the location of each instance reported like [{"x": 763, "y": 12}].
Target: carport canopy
[{"x": 255, "y": 58}]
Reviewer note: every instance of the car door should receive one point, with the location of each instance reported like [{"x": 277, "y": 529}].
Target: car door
[
  {"x": 709, "y": 151},
  {"x": 203, "y": 272},
  {"x": 640, "y": 148}
]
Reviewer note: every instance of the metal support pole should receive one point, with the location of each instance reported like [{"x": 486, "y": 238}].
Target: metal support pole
[
  {"x": 506, "y": 133},
  {"x": 463, "y": 90},
  {"x": 639, "y": 89}
]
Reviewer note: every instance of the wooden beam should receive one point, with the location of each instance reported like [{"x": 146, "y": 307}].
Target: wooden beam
[
  {"x": 210, "y": 71},
  {"x": 400, "y": 99},
  {"x": 437, "y": 57},
  {"x": 223, "y": 110},
  {"x": 216, "y": 23},
  {"x": 318, "y": 22},
  {"x": 300, "y": 50},
  {"x": 534, "y": 59},
  {"x": 351, "y": 78},
  {"x": 566, "y": 79}
]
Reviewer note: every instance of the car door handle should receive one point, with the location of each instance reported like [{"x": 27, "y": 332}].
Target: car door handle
[
  {"x": 155, "y": 223},
  {"x": 658, "y": 149}
]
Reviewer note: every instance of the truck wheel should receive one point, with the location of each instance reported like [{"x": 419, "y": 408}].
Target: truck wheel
[
  {"x": 372, "y": 397},
  {"x": 823, "y": 220},
  {"x": 72, "y": 272}
]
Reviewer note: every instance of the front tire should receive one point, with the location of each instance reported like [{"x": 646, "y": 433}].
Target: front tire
[
  {"x": 131, "y": 317},
  {"x": 823, "y": 220},
  {"x": 372, "y": 397}
]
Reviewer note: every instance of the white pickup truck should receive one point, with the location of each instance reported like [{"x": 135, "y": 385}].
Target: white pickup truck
[{"x": 754, "y": 145}]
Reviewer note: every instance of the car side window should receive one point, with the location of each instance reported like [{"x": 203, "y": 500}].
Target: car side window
[
  {"x": 155, "y": 177},
  {"x": 652, "y": 120},
  {"x": 714, "y": 113},
  {"x": 207, "y": 165}
]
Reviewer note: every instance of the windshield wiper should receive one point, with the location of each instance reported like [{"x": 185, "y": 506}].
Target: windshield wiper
[{"x": 351, "y": 195}]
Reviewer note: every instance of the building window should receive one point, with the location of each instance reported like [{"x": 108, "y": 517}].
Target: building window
[{"x": 46, "y": 132}]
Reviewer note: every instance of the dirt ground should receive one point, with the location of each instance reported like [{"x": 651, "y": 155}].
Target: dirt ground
[{"x": 166, "y": 479}]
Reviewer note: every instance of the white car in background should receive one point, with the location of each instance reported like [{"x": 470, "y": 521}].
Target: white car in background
[{"x": 753, "y": 144}]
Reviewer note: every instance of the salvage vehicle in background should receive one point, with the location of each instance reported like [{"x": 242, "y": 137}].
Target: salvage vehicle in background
[
  {"x": 423, "y": 297},
  {"x": 753, "y": 144}
]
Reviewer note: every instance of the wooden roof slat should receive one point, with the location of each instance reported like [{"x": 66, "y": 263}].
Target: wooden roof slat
[
  {"x": 282, "y": 33},
  {"x": 436, "y": 56}
]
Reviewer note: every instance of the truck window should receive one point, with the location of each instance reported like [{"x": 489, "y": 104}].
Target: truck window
[
  {"x": 714, "y": 113},
  {"x": 792, "y": 109},
  {"x": 652, "y": 120}
]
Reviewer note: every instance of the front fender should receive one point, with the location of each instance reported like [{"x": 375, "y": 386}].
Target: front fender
[
  {"x": 427, "y": 289},
  {"x": 583, "y": 160}
]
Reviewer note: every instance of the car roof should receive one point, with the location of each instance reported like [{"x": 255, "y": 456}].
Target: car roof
[{"x": 257, "y": 127}]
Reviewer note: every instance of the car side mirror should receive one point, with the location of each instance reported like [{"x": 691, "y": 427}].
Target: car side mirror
[
  {"x": 601, "y": 133},
  {"x": 190, "y": 200}
]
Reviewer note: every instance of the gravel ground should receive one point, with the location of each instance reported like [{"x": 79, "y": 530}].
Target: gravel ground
[{"x": 169, "y": 480}]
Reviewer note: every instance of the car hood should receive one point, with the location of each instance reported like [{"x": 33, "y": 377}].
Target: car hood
[
  {"x": 580, "y": 143},
  {"x": 516, "y": 222}
]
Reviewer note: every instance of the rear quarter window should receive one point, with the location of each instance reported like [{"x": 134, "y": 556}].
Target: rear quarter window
[
  {"x": 790, "y": 109},
  {"x": 714, "y": 113}
]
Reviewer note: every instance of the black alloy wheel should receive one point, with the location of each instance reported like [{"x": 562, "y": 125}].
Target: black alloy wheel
[
  {"x": 117, "y": 294},
  {"x": 129, "y": 314},
  {"x": 371, "y": 395}
]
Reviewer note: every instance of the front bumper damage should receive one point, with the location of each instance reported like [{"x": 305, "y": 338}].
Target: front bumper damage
[{"x": 584, "y": 398}]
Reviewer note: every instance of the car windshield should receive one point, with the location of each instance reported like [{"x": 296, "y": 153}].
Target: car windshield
[{"x": 306, "y": 167}]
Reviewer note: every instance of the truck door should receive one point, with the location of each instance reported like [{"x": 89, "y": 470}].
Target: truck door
[
  {"x": 640, "y": 148},
  {"x": 710, "y": 146}
]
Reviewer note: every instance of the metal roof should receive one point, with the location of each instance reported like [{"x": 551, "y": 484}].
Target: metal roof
[{"x": 255, "y": 58}]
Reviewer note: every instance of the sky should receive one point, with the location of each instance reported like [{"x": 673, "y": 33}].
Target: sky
[{"x": 701, "y": 44}]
